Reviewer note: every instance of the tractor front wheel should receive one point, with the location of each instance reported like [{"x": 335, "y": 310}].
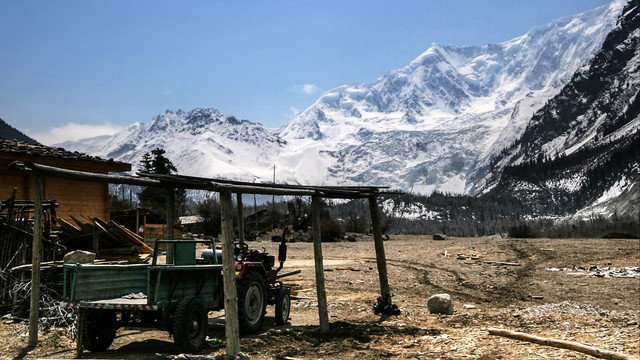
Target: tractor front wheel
[{"x": 283, "y": 305}]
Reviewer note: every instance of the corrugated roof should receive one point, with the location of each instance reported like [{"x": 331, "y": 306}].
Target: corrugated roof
[{"x": 19, "y": 147}]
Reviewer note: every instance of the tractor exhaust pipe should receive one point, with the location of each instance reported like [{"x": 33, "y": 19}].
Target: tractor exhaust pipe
[{"x": 282, "y": 249}]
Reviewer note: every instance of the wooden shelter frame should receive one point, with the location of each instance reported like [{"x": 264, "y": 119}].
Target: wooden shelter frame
[{"x": 226, "y": 188}]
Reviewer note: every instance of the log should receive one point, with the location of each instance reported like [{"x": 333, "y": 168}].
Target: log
[
  {"x": 289, "y": 274},
  {"x": 562, "y": 344}
]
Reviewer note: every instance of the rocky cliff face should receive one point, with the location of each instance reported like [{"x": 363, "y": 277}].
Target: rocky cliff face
[{"x": 583, "y": 146}]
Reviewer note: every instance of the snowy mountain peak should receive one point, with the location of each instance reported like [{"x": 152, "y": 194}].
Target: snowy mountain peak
[
  {"x": 454, "y": 107},
  {"x": 201, "y": 142}
]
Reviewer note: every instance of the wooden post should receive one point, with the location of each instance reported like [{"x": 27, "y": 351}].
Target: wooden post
[
  {"x": 170, "y": 207},
  {"x": 255, "y": 214},
  {"x": 240, "y": 218},
  {"x": 34, "y": 310},
  {"x": 232, "y": 329},
  {"x": 381, "y": 260},
  {"x": 80, "y": 319},
  {"x": 96, "y": 241},
  {"x": 317, "y": 254},
  {"x": 138, "y": 221}
]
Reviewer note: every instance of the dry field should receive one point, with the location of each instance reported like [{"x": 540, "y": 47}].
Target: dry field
[{"x": 599, "y": 311}]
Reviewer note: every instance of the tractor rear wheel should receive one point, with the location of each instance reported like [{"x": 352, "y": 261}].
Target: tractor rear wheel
[
  {"x": 98, "y": 329},
  {"x": 252, "y": 302},
  {"x": 283, "y": 305},
  {"x": 190, "y": 324}
]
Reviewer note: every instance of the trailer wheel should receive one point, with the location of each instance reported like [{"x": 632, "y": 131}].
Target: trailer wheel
[
  {"x": 252, "y": 302},
  {"x": 283, "y": 305},
  {"x": 190, "y": 324},
  {"x": 98, "y": 329}
]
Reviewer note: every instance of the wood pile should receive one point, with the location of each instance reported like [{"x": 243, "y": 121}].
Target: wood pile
[{"x": 109, "y": 240}]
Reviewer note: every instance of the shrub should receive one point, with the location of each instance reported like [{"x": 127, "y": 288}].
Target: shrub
[
  {"x": 331, "y": 230},
  {"x": 522, "y": 231}
]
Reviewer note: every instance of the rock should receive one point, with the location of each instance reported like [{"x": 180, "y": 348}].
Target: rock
[
  {"x": 440, "y": 304},
  {"x": 79, "y": 257},
  {"x": 440, "y": 237}
]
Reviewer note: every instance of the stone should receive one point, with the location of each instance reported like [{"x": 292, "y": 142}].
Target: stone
[
  {"x": 79, "y": 257},
  {"x": 440, "y": 304},
  {"x": 440, "y": 237}
]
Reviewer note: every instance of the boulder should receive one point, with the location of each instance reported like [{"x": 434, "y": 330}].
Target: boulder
[
  {"x": 440, "y": 237},
  {"x": 440, "y": 304},
  {"x": 79, "y": 257}
]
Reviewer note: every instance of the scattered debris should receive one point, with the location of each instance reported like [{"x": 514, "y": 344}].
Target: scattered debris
[
  {"x": 607, "y": 272},
  {"x": 240, "y": 356},
  {"x": 114, "y": 241}
]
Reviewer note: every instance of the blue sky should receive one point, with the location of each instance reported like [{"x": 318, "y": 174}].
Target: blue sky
[{"x": 71, "y": 69}]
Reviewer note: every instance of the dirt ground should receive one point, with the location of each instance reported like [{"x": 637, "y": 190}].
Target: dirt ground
[{"x": 598, "y": 311}]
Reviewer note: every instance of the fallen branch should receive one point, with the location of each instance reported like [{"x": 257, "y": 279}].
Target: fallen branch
[
  {"x": 569, "y": 345},
  {"x": 501, "y": 263}
]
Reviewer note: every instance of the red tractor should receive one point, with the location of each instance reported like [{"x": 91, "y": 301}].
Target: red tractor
[{"x": 257, "y": 284}]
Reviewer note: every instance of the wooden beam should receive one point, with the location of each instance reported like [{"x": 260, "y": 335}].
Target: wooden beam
[
  {"x": 83, "y": 175},
  {"x": 206, "y": 184},
  {"x": 232, "y": 329},
  {"x": 240, "y": 217},
  {"x": 562, "y": 344},
  {"x": 34, "y": 310},
  {"x": 317, "y": 254},
  {"x": 170, "y": 219},
  {"x": 381, "y": 260}
]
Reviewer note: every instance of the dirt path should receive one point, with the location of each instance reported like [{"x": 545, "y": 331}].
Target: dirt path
[{"x": 599, "y": 311}]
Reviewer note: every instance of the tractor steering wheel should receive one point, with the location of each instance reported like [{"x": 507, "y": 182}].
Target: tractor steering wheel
[{"x": 241, "y": 246}]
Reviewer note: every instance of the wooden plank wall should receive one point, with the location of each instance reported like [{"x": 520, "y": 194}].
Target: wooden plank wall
[{"x": 76, "y": 198}]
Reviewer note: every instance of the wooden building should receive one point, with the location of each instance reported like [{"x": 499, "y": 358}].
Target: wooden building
[{"x": 76, "y": 197}]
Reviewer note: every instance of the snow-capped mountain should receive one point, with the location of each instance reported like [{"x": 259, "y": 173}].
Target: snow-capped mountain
[
  {"x": 435, "y": 123},
  {"x": 201, "y": 142},
  {"x": 432, "y": 125},
  {"x": 582, "y": 149}
]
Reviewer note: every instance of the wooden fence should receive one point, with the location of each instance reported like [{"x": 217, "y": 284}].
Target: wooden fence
[{"x": 16, "y": 238}]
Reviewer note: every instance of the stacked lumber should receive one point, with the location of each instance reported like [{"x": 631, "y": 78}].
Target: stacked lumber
[{"x": 111, "y": 241}]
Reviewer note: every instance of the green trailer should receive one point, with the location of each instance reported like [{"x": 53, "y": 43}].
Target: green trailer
[{"x": 174, "y": 297}]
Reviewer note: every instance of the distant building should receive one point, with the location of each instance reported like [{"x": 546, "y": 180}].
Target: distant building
[
  {"x": 77, "y": 198},
  {"x": 190, "y": 223}
]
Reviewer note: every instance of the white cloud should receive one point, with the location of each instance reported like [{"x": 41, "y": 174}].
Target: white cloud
[
  {"x": 293, "y": 111},
  {"x": 308, "y": 89},
  {"x": 72, "y": 131}
]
